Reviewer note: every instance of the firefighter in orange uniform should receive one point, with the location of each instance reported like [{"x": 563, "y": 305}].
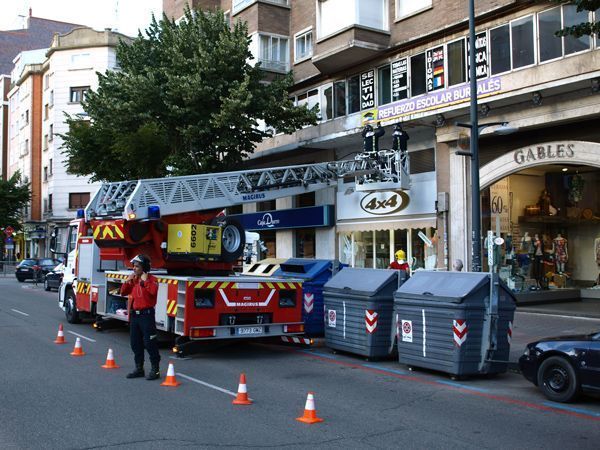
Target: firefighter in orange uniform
[{"x": 142, "y": 289}]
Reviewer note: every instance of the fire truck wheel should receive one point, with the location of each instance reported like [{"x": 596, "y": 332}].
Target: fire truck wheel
[
  {"x": 70, "y": 309},
  {"x": 233, "y": 238}
]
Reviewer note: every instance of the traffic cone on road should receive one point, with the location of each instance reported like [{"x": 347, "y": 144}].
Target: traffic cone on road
[
  {"x": 78, "y": 350},
  {"x": 242, "y": 394},
  {"x": 170, "y": 380},
  {"x": 310, "y": 413},
  {"x": 60, "y": 337},
  {"x": 110, "y": 361}
]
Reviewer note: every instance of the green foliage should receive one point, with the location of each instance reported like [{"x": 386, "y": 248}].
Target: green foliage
[
  {"x": 584, "y": 28},
  {"x": 185, "y": 101},
  {"x": 14, "y": 197}
]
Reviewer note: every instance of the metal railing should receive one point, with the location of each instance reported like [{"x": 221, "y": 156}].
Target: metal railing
[{"x": 7, "y": 268}]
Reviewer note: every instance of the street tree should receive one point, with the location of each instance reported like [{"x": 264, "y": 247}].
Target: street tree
[
  {"x": 14, "y": 197},
  {"x": 186, "y": 99},
  {"x": 586, "y": 28}
]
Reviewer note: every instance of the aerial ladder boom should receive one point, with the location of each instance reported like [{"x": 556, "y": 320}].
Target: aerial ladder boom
[{"x": 130, "y": 200}]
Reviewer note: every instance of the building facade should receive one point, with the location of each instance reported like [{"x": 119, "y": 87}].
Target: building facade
[
  {"x": 406, "y": 61},
  {"x": 43, "y": 92}
]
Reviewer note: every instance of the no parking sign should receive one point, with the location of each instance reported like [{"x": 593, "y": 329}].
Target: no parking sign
[
  {"x": 331, "y": 318},
  {"x": 407, "y": 331}
]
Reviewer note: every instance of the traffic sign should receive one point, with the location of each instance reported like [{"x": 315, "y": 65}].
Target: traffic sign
[
  {"x": 9, "y": 240},
  {"x": 9, "y": 231}
]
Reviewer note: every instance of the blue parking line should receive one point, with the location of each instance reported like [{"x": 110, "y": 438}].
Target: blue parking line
[
  {"x": 313, "y": 352},
  {"x": 384, "y": 369},
  {"x": 462, "y": 386},
  {"x": 572, "y": 409}
]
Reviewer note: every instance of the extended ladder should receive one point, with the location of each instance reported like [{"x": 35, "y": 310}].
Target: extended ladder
[{"x": 383, "y": 170}]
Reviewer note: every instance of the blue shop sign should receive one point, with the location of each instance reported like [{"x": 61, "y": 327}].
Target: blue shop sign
[{"x": 310, "y": 217}]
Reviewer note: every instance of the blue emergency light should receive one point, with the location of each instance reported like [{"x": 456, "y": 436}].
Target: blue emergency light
[
  {"x": 80, "y": 213},
  {"x": 153, "y": 212}
]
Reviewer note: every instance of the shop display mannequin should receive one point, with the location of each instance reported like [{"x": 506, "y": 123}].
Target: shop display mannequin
[
  {"x": 538, "y": 260},
  {"x": 561, "y": 254},
  {"x": 526, "y": 244}
]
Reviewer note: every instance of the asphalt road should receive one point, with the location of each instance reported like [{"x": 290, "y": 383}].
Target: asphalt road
[{"x": 49, "y": 399}]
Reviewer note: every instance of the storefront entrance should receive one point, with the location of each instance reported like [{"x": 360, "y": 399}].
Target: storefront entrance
[{"x": 544, "y": 201}]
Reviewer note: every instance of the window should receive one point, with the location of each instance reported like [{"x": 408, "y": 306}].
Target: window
[
  {"x": 46, "y": 111},
  {"x": 51, "y": 99},
  {"x": 327, "y": 102},
  {"x": 51, "y": 132},
  {"x": 78, "y": 200},
  {"x": 305, "y": 243},
  {"x": 417, "y": 75},
  {"x": 45, "y": 173},
  {"x": 45, "y": 142},
  {"x": 81, "y": 60},
  {"x": 46, "y": 81},
  {"x": 339, "y": 98},
  {"x": 27, "y": 117},
  {"x": 550, "y": 44},
  {"x": 273, "y": 53},
  {"x": 303, "y": 46},
  {"x": 522, "y": 42},
  {"x": 49, "y": 202},
  {"x": 384, "y": 85},
  {"x": 310, "y": 98},
  {"x": 50, "y": 164},
  {"x": 354, "y": 94},
  {"x": 78, "y": 94},
  {"x": 406, "y": 8},
  {"x": 227, "y": 17},
  {"x": 335, "y": 15},
  {"x": 570, "y": 18},
  {"x": 422, "y": 161},
  {"x": 457, "y": 64},
  {"x": 500, "y": 49}
]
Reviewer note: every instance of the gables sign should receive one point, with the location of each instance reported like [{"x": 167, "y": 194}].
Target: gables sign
[{"x": 545, "y": 152}]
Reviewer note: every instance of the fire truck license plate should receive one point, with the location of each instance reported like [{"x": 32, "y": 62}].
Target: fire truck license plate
[{"x": 250, "y": 330}]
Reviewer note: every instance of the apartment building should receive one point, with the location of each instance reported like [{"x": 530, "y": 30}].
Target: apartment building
[
  {"x": 49, "y": 83},
  {"x": 406, "y": 61}
]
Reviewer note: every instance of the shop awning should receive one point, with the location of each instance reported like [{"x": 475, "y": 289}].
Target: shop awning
[{"x": 395, "y": 224}]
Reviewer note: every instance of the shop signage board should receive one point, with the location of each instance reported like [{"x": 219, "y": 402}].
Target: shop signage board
[
  {"x": 399, "y": 79},
  {"x": 500, "y": 203},
  {"x": 481, "y": 56},
  {"x": 367, "y": 89},
  {"x": 420, "y": 199},
  {"x": 434, "y": 72},
  {"x": 555, "y": 151},
  {"x": 310, "y": 217}
]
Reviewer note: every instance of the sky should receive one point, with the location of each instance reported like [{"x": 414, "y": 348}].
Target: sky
[{"x": 125, "y": 16}]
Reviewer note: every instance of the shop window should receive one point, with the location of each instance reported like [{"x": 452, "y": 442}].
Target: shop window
[
  {"x": 354, "y": 94},
  {"x": 457, "y": 64},
  {"x": 597, "y": 19},
  {"x": 384, "y": 85},
  {"x": 422, "y": 161},
  {"x": 78, "y": 200},
  {"x": 500, "y": 49},
  {"x": 305, "y": 243},
  {"x": 339, "y": 98},
  {"x": 305, "y": 200},
  {"x": 550, "y": 44},
  {"x": 522, "y": 42},
  {"x": 570, "y": 18},
  {"x": 382, "y": 249},
  {"x": 269, "y": 240},
  {"x": 418, "y": 82},
  {"x": 268, "y": 205}
]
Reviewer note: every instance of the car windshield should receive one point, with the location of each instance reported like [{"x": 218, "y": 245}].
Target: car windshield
[
  {"x": 28, "y": 262},
  {"x": 47, "y": 262},
  {"x": 596, "y": 336}
]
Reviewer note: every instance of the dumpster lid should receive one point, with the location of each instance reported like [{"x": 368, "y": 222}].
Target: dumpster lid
[
  {"x": 365, "y": 282},
  {"x": 444, "y": 286},
  {"x": 306, "y": 268}
]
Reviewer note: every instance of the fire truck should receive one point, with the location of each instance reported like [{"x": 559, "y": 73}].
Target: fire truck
[{"x": 179, "y": 223}]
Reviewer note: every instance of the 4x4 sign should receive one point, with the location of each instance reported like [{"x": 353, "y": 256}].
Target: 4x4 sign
[{"x": 383, "y": 203}]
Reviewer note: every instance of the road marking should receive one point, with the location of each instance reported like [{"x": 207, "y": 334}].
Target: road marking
[
  {"x": 82, "y": 336},
  {"x": 204, "y": 383},
  {"x": 385, "y": 369},
  {"x": 572, "y": 409},
  {"x": 462, "y": 386},
  {"x": 20, "y": 312},
  {"x": 596, "y": 319}
]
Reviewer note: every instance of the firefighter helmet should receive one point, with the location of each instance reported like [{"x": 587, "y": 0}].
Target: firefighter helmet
[
  {"x": 400, "y": 254},
  {"x": 143, "y": 260}
]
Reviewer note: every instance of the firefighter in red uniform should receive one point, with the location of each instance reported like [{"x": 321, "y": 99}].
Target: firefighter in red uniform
[
  {"x": 400, "y": 262},
  {"x": 142, "y": 289}
]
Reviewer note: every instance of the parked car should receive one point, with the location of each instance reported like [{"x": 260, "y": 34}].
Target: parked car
[
  {"x": 38, "y": 267},
  {"x": 563, "y": 366},
  {"x": 53, "y": 278}
]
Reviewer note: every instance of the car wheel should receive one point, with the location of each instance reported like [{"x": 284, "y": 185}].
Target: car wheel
[
  {"x": 71, "y": 309},
  {"x": 558, "y": 380},
  {"x": 20, "y": 280},
  {"x": 233, "y": 238},
  {"x": 46, "y": 285}
]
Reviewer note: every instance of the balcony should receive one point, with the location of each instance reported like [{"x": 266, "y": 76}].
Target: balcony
[{"x": 349, "y": 47}]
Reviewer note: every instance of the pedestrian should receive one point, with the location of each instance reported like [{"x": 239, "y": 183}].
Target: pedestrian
[
  {"x": 457, "y": 265},
  {"x": 142, "y": 288}
]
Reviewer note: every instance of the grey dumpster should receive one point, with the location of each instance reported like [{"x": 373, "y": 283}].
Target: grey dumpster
[
  {"x": 358, "y": 309},
  {"x": 441, "y": 323}
]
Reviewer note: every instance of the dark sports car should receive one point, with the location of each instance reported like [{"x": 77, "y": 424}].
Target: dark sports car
[
  {"x": 35, "y": 268},
  {"x": 563, "y": 366}
]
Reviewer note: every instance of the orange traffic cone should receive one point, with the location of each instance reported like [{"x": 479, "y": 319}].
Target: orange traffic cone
[
  {"x": 242, "y": 394},
  {"x": 310, "y": 413},
  {"x": 170, "y": 380},
  {"x": 110, "y": 361},
  {"x": 77, "y": 350},
  {"x": 60, "y": 337}
]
